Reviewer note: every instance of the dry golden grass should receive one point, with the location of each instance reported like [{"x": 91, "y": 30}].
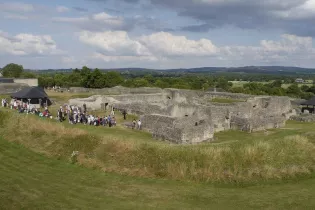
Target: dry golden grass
[{"x": 239, "y": 162}]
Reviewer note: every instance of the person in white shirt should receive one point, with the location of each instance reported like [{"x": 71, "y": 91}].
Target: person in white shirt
[{"x": 139, "y": 124}]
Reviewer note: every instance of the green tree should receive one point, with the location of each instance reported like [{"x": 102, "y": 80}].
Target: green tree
[
  {"x": 276, "y": 83},
  {"x": 161, "y": 83},
  {"x": 12, "y": 70},
  {"x": 85, "y": 77},
  {"x": 311, "y": 89},
  {"x": 305, "y": 88},
  {"x": 149, "y": 78},
  {"x": 113, "y": 79},
  {"x": 223, "y": 83},
  {"x": 141, "y": 82},
  {"x": 60, "y": 80},
  {"x": 85, "y": 71},
  {"x": 45, "y": 81},
  {"x": 28, "y": 75},
  {"x": 294, "y": 90},
  {"x": 97, "y": 79}
]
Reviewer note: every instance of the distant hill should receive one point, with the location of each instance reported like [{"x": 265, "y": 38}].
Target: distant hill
[{"x": 280, "y": 70}]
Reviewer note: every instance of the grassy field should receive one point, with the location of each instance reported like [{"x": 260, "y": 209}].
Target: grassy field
[
  {"x": 241, "y": 83},
  {"x": 32, "y": 181},
  {"x": 235, "y": 157},
  {"x": 120, "y": 168}
]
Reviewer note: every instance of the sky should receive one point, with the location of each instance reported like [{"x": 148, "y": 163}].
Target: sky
[{"x": 156, "y": 34}]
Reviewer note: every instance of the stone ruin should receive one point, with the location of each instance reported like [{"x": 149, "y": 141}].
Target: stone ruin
[
  {"x": 188, "y": 117},
  {"x": 9, "y": 88}
]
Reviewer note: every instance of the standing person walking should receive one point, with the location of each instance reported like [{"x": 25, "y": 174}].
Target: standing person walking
[
  {"x": 139, "y": 124},
  {"x": 124, "y": 113},
  {"x": 134, "y": 124},
  {"x": 84, "y": 108}
]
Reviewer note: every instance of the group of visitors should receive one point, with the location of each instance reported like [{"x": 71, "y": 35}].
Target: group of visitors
[
  {"x": 4, "y": 102},
  {"x": 74, "y": 114},
  {"x": 27, "y": 108}
]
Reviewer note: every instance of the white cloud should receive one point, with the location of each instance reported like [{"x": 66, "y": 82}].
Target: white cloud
[
  {"x": 288, "y": 44},
  {"x": 62, "y": 9},
  {"x": 158, "y": 44},
  {"x": 71, "y": 19},
  {"x": 117, "y": 46},
  {"x": 114, "y": 43},
  {"x": 108, "y": 19},
  {"x": 166, "y": 44},
  {"x": 15, "y": 17},
  {"x": 16, "y": 7},
  {"x": 290, "y": 48},
  {"x": 303, "y": 11},
  {"x": 107, "y": 58},
  {"x": 95, "y": 22},
  {"x": 27, "y": 44}
]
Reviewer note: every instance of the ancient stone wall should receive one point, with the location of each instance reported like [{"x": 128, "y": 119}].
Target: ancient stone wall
[
  {"x": 118, "y": 90},
  {"x": 92, "y": 103},
  {"x": 256, "y": 123},
  {"x": 140, "y": 108},
  {"x": 145, "y": 98},
  {"x": 235, "y": 96},
  {"x": 184, "y": 116},
  {"x": 9, "y": 88},
  {"x": 29, "y": 82},
  {"x": 181, "y": 131}
]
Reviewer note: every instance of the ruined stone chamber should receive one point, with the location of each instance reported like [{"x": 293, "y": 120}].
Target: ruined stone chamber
[{"x": 189, "y": 117}]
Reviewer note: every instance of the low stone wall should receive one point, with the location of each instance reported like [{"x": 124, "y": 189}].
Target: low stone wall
[
  {"x": 304, "y": 118},
  {"x": 162, "y": 127},
  {"x": 234, "y": 96},
  {"x": 256, "y": 123},
  {"x": 116, "y": 90},
  {"x": 9, "y": 88},
  {"x": 92, "y": 103},
  {"x": 187, "y": 130},
  {"x": 140, "y": 108},
  {"x": 29, "y": 82}
]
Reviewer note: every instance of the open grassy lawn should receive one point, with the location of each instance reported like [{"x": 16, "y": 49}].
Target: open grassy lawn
[
  {"x": 300, "y": 85},
  {"x": 242, "y": 83},
  {"x": 32, "y": 181}
]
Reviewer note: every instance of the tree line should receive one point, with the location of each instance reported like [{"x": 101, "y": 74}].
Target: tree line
[{"x": 95, "y": 78}]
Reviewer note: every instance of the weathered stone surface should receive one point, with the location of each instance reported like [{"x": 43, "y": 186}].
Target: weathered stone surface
[
  {"x": 303, "y": 118},
  {"x": 187, "y": 117},
  {"x": 9, "y": 88},
  {"x": 118, "y": 90}
]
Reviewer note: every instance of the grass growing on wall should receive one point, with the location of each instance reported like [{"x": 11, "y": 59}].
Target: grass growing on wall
[{"x": 225, "y": 100}]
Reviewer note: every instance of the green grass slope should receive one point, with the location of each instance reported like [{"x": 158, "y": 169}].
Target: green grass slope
[
  {"x": 281, "y": 154},
  {"x": 32, "y": 181}
]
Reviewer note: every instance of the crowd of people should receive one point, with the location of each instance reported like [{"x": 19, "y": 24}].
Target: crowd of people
[
  {"x": 74, "y": 114},
  {"x": 23, "y": 107}
]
